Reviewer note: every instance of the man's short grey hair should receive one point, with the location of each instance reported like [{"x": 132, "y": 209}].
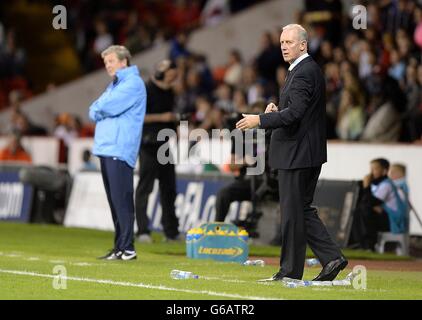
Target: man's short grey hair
[
  {"x": 301, "y": 31},
  {"x": 120, "y": 51}
]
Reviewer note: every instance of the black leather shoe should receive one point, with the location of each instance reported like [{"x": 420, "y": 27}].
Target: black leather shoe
[
  {"x": 275, "y": 277},
  {"x": 332, "y": 269}
]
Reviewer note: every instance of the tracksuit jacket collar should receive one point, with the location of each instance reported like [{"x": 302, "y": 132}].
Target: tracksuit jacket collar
[{"x": 124, "y": 72}]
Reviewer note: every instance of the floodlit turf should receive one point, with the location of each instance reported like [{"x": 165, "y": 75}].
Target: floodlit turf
[{"x": 29, "y": 253}]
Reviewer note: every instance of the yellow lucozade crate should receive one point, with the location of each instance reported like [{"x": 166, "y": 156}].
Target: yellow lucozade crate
[{"x": 218, "y": 241}]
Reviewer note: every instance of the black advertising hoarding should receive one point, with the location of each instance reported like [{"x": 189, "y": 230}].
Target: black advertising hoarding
[{"x": 15, "y": 198}]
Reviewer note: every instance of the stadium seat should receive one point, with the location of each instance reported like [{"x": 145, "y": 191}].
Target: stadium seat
[{"x": 401, "y": 240}]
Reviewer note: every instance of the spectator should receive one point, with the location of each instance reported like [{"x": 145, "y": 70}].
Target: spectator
[
  {"x": 15, "y": 99},
  {"x": 233, "y": 74},
  {"x": 178, "y": 47},
  {"x": 207, "y": 117},
  {"x": 404, "y": 44},
  {"x": 200, "y": 64},
  {"x": 66, "y": 129},
  {"x": 14, "y": 151},
  {"x": 194, "y": 88},
  {"x": 326, "y": 53},
  {"x": 351, "y": 83},
  {"x": 223, "y": 95},
  {"x": 239, "y": 101},
  {"x": 351, "y": 44},
  {"x": 268, "y": 59},
  {"x": 103, "y": 38},
  {"x": 413, "y": 115},
  {"x": 384, "y": 124},
  {"x": 385, "y": 52},
  {"x": 136, "y": 36},
  {"x": 380, "y": 208},
  {"x": 397, "y": 174},
  {"x": 351, "y": 118},
  {"x": 366, "y": 58},
  {"x": 251, "y": 86},
  {"x": 398, "y": 67},
  {"x": 130, "y": 28},
  {"x": 334, "y": 85},
  {"x": 22, "y": 125},
  {"x": 12, "y": 57}
]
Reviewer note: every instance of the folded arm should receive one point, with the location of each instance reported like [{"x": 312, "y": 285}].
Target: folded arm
[{"x": 116, "y": 101}]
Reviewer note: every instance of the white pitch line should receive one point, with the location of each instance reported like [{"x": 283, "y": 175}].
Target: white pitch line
[
  {"x": 57, "y": 261},
  {"x": 86, "y": 264},
  {"x": 138, "y": 285},
  {"x": 81, "y": 264},
  {"x": 223, "y": 280}
]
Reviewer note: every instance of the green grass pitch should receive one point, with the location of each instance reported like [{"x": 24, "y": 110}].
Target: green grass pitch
[{"x": 30, "y": 253}]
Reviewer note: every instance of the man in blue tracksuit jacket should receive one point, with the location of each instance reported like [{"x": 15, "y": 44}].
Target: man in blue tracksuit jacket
[{"x": 119, "y": 115}]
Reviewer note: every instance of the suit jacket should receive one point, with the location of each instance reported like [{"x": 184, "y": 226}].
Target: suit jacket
[{"x": 298, "y": 138}]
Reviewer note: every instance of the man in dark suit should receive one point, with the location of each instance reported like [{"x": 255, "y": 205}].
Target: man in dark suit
[{"x": 298, "y": 148}]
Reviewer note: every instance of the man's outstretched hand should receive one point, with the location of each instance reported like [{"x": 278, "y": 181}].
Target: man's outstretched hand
[
  {"x": 251, "y": 121},
  {"x": 248, "y": 122}
]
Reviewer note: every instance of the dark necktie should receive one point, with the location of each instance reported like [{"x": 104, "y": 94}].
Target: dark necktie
[
  {"x": 287, "y": 75},
  {"x": 285, "y": 82}
]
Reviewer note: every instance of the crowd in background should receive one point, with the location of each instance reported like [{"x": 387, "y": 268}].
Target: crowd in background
[
  {"x": 140, "y": 25},
  {"x": 373, "y": 75},
  {"x": 92, "y": 26},
  {"x": 12, "y": 68}
]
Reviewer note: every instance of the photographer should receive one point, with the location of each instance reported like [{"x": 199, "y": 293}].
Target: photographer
[
  {"x": 14, "y": 151},
  {"x": 159, "y": 115}
]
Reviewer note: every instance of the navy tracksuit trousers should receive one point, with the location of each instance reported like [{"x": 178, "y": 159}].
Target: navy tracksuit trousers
[{"x": 118, "y": 182}]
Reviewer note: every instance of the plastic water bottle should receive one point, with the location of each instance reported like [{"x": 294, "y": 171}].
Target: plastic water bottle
[
  {"x": 312, "y": 262},
  {"x": 260, "y": 263},
  {"x": 179, "y": 275},
  {"x": 291, "y": 285},
  {"x": 295, "y": 283},
  {"x": 350, "y": 276},
  {"x": 344, "y": 282},
  {"x": 322, "y": 283}
]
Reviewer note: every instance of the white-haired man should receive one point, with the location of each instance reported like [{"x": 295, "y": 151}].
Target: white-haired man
[{"x": 298, "y": 148}]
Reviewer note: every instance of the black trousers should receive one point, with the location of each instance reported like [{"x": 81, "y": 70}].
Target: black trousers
[
  {"x": 118, "y": 182},
  {"x": 300, "y": 223},
  {"x": 149, "y": 170},
  {"x": 239, "y": 190}
]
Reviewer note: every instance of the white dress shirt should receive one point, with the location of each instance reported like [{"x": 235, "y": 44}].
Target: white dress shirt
[{"x": 296, "y": 62}]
